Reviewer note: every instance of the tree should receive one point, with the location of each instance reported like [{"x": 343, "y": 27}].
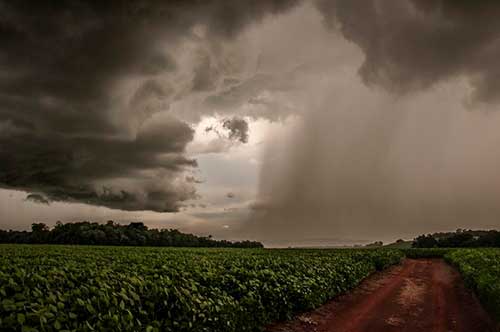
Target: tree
[
  {"x": 134, "y": 234},
  {"x": 425, "y": 241},
  {"x": 39, "y": 233},
  {"x": 39, "y": 227}
]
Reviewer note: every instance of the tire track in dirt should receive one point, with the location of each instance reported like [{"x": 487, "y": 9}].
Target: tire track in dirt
[{"x": 419, "y": 295}]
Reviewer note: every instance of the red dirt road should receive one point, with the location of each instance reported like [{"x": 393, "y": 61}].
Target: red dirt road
[{"x": 419, "y": 295}]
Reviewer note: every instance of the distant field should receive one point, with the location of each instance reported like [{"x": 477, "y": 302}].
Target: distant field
[{"x": 60, "y": 288}]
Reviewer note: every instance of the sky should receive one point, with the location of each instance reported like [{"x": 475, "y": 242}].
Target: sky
[{"x": 291, "y": 122}]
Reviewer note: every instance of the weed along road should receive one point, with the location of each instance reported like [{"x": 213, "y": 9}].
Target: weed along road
[{"x": 421, "y": 295}]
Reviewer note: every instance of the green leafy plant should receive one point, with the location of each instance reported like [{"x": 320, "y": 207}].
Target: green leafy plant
[
  {"x": 480, "y": 269},
  {"x": 77, "y": 288}
]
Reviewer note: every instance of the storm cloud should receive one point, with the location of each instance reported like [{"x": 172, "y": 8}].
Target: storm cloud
[
  {"x": 36, "y": 198},
  {"x": 114, "y": 172},
  {"x": 83, "y": 89},
  {"x": 352, "y": 115},
  {"x": 384, "y": 145},
  {"x": 411, "y": 45}
]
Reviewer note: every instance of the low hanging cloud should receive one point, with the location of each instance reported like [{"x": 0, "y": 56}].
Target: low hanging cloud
[
  {"x": 82, "y": 85},
  {"x": 411, "y": 45},
  {"x": 36, "y": 198},
  {"x": 114, "y": 172}
]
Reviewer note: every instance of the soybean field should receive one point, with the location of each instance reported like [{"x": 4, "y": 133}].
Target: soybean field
[{"x": 85, "y": 288}]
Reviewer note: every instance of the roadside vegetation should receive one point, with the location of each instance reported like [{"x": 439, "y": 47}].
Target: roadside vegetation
[{"x": 480, "y": 269}]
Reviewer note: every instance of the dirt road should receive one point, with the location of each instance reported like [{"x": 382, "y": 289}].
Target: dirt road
[{"x": 419, "y": 295}]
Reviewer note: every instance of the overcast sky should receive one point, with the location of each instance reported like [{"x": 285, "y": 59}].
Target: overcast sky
[{"x": 292, "y": 122}]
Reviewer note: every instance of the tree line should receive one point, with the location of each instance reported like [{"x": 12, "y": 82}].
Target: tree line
[
  {"x": 460, "y": 238},
  {"x": 111, "y": 233}
]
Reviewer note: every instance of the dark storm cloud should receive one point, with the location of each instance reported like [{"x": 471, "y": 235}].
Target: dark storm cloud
[
  {"x": 37, "y": 199},
  {"x": 79, "y": 169},
  {"x": 78, "y": 49},
  {"x": 238, "y": 129},
  {"x": 412, "y": 44},
  {"x": 65, "y": 132}
]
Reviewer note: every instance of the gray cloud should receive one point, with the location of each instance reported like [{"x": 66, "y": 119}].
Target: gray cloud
[
  {"x": 369, "y": 157},
  {"x": 250, "y": 91},
  {"x": 36, "y": 198},
  {"x": 241, "y": 91},
  {"x": 363, "y": 165},
  {"x": 412, "y": 44},
  {"x": 226, "y": 133},
  {"x": 205, "y": 75},
  {"x": 238, "y": 129},
  {"x": 113, "y": 172},
  {"x": 79, "y": 83},
  {"x": 97, "y": 103}
]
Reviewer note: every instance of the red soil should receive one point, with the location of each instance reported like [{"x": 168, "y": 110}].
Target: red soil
[{"x": 419, "y": 295}]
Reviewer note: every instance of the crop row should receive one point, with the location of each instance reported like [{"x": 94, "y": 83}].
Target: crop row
[
  {"x": 480, "y": 269},
  {"x": 63, "y": 288}
]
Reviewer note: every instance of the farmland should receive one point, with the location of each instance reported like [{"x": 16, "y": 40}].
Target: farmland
[
  {"x": 61, "y": 288},
  {"x": 90, "y": 288}
]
